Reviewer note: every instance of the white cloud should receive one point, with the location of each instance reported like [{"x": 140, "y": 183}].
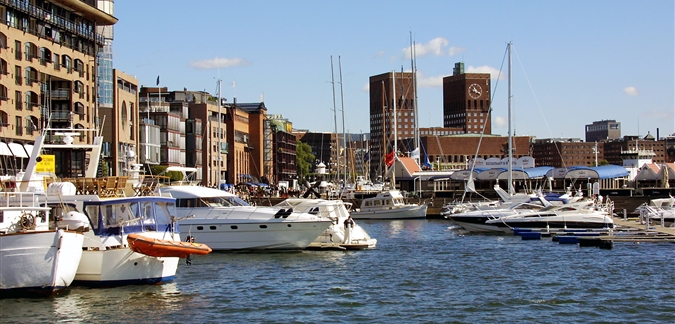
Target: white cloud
[
  {"x": 631, "y": 91},
  {"x": 435, "y": 46},
  {"x": 500, "y": 121},
  {"x": 494, "y": 73},
  {"x": 218, "y": 62},
  {"x": 366, "y": 87},
  {"x": 379, "y": 54},
  {"x": 429, "y": 82},
  {"x": 456, "y": 50}
]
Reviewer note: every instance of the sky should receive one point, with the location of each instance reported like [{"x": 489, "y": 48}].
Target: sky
[{"x": 573, "y": 61}]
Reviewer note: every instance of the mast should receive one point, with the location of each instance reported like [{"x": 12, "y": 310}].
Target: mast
[
  {"x": 383, "y": 148},
  {"x": 510, "y": 148},
  {"x": 220, "y": 136},
  {"x": 344, "y": 136},
  {"x": 337, "y": 135},
  {"x": 413, "y": 66},
  {"x": 393, "y": 166}
]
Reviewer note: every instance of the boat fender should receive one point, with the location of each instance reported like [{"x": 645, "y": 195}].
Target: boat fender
[{"x": 27, "y": 221}]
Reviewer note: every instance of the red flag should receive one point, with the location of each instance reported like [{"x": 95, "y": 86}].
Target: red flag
[{"x": 389, "y": 159}]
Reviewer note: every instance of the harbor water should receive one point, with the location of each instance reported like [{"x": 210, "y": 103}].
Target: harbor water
[{"x": 421, "y": 271}]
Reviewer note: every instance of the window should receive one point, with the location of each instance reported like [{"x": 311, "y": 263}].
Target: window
[
  {"x": 19, "y": 125},
  {"x": 124, "y": 115},
  {"x": 17, "y": 75},
  {"x": 18, "y": 102},
  {"x": 17, "y": 50}
]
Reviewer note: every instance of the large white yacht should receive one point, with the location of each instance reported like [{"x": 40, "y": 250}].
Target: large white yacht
[{"x": 225, "y": 222}]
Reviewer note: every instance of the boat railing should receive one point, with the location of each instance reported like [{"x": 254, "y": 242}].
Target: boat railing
[{"x": 19, "y": 199}]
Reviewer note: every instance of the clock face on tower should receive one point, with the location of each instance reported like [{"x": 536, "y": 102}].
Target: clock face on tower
[{"x": 475, "y": 91}]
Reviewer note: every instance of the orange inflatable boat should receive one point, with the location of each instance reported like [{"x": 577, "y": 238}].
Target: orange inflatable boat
[{"x": 165, "y": 248}]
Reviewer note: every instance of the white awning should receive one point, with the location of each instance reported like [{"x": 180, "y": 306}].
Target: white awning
[
  {"x": 17, "y": 150},
  {"x": 4, "y": 149},
  {"x": 29, "y": 148}
]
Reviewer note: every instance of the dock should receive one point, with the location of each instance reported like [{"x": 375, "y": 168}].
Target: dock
[{"x": 625, "y": 231}]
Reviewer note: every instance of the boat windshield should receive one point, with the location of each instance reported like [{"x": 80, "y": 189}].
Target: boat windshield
[
  {"x": 134, "y": 216},
  {"x": 229, "y": 201}
]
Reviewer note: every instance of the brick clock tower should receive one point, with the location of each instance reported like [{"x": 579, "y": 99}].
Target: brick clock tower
[{"x": 466, "y": 101}]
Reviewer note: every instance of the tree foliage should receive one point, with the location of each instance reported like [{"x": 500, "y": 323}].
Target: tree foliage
[{"x": 303, "y": 158}]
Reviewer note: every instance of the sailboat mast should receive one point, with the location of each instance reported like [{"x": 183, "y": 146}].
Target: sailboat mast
[
  {"x": 413, "y": 66},
  {"x": 393, "y": 166},
  {"x": 337, "y": 135},
  {"x": 344, "y": 136},
  {"x": 383, "y": 150},
  {"x": 510, "y": 146},
  {"x": 220, "y": 136}
]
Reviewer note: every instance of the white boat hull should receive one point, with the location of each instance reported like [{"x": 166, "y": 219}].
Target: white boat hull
[
  {"x": 479, "y": 228},
  {"x": 227, "y": 235},
  {"x": 404, "y": 212},
  {"x": 39, "y": 262},
  {"x": 118, "y": 265},
  {"x": 555, "y": 223}
]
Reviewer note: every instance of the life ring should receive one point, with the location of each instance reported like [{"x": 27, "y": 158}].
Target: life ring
[{"x": 27, "y": 221}]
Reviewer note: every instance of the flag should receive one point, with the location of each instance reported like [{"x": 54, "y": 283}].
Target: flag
[
  {"x": 426, "y": 163},
  {"x": 158, "y": 80},
  {"x": 389, "y": 159},
  {"x": 415, "y": 154},
  {"x": 366, "y": 157}
]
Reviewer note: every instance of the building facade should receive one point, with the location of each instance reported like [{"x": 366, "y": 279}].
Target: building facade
[
  {"x": 603, "y": 130},
  {"x": 466, "y": 101},
  {"x": 388, "y": 91},
  {"x": 284, "y": 149},
  {"x": 48, "y": 53},
  {"x": 119, "y": 126},
  {"x": 454, "y": 152}
]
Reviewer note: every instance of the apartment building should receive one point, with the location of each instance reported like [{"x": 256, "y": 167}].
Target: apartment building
[{"x": 48, "y": 68}]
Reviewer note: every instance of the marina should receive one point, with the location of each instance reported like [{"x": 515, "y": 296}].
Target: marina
[{"x": 421, "y": 271}]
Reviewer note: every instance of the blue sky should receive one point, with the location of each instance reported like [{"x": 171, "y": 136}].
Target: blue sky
[{"x": 574, "y": 62}]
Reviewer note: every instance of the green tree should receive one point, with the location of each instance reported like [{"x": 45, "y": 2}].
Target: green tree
[
  {"x": 303, "y": 158},
  {"x": 603, "y": 162}
]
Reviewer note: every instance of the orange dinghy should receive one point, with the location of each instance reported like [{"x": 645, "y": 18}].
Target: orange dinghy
[{"x": 165, "y": 248}]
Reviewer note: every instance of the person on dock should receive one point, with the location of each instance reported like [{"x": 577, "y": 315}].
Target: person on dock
[
  {"x": 189, "y": 239},
  {"x": 349, "y": 226}
]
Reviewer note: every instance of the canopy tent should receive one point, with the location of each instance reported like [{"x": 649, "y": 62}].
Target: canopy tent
[
  {"x": 490, "y": 174},
  {"x": 525, "y": 174},
  {"x": 599, "y": 172},
  {"x": 464, "y": 174}
]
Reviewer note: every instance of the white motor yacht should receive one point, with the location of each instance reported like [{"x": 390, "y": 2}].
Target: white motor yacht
[
  {"x": 389, "y": 205},
  {"x": 36, "y": 258},
  {"x": 225, "y": 222},
  {"x": 335, "y": 236},
  {"x": 579, "y": 215},
  {"x": 107, "y": 260}
]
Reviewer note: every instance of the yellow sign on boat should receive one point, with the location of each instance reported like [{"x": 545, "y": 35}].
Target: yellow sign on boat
[{"x": 47, "y": 164}]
